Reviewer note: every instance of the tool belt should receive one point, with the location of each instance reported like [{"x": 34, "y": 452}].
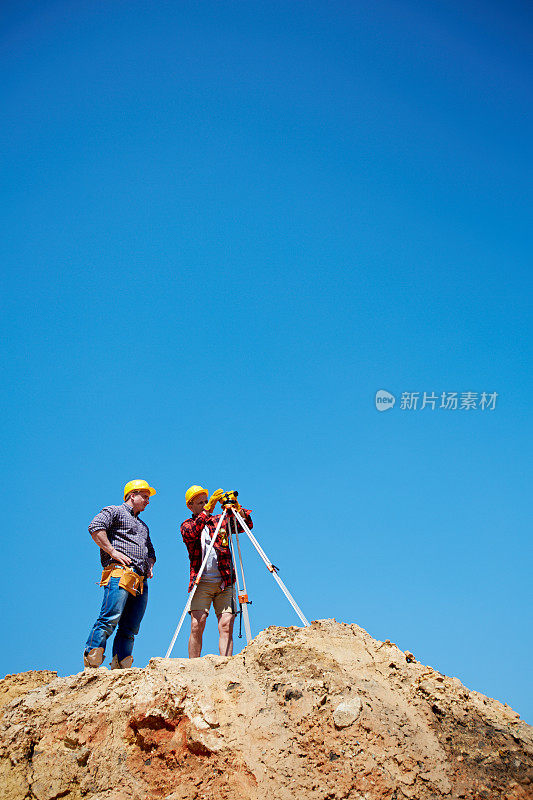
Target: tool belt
[{"x": 129, "y": 580}]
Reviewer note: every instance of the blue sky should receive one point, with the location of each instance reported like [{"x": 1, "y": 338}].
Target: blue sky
[{"x": 227, "y": 225}]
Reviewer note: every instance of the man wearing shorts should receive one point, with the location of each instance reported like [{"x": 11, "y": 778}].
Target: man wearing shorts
[{"x": 216, "y": 584}]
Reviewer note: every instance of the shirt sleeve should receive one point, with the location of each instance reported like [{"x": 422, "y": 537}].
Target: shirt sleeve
[
  {"x": 102, "y": 521},
  {"x": 192, "y": 529},
  {"x": 151, "y": 551},
  {"x": 246, "y": 515}
]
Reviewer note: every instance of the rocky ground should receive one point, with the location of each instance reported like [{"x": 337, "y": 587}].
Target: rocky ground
[{"x": 321, "y": 713}]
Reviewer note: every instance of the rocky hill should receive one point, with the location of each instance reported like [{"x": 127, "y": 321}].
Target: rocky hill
[{"x": 322, "y": 712}]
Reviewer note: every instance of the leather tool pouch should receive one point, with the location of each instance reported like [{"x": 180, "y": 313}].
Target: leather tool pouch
[
  {"x": 108, "y": 573},
  {"x": 129, "y": 580}
]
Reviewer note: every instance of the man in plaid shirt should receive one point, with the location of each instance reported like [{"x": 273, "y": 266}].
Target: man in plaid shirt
[{"x": 216, "y": 583}]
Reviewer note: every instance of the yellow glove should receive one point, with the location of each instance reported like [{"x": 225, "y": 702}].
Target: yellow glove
[{"x": 213, "y": 500}]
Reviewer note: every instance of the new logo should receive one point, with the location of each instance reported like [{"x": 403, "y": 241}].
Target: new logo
[{"x": 384, "y": 400}]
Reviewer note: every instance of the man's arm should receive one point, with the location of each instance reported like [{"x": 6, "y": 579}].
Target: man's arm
[
  {"x": 150, "y": 557},
  {"x": 246, "y": 515},
  {"x": 100, "y": 537},
  {"x": 191, "y": 529}
]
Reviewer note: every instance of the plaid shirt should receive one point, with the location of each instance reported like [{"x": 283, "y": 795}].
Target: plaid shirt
[
  {"x": 191, "y": 532},
  {"x": 127, "y": 533}
]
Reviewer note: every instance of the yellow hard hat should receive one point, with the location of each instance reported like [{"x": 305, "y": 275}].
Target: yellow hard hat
[
  {"x": 191, "y": 493},
  {"x": 131, "y": 486}
]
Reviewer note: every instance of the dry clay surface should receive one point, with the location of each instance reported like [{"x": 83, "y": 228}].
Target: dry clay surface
[{"x": 322, "y": 712}]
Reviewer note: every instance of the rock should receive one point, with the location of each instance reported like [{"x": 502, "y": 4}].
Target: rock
[
  {"x": 12, "y": 686},
  {"x": 347, "y": 712},
  {"x": 259, "y": 725}
]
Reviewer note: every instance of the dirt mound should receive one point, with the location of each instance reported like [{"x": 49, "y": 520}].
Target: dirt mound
[{"x": 322, "y": 712}]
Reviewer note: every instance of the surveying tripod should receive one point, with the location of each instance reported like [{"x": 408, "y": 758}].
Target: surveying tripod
[{"x": 232, "y": 515}]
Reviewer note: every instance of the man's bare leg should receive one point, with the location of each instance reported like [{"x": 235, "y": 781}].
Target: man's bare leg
[
  {"x": 225, "y": 630},
  {"x": 198, "y": 620}
]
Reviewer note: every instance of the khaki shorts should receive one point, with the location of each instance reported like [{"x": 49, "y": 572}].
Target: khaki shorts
[{"x": 209, "y": 592}]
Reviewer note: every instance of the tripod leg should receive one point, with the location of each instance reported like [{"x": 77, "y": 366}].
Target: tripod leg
[
  {"x": 246, "y": 618},
  {"x": 180, "y": 623},
  {"x": 196, "y": 582},
  {"x": 270, "y": 567},
  {"x": 244, "y": 606}
]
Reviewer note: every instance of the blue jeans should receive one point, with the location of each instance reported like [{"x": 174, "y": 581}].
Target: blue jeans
[{"x": 122, "y": 608}]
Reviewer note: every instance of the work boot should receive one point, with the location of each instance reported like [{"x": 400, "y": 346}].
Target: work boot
[
  {"x": 94, "y": 657},
  {"x": 124, "y": 664}
]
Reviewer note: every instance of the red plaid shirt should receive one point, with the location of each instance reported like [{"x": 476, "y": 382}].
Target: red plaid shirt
[{"x": 191, "y": 532}]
